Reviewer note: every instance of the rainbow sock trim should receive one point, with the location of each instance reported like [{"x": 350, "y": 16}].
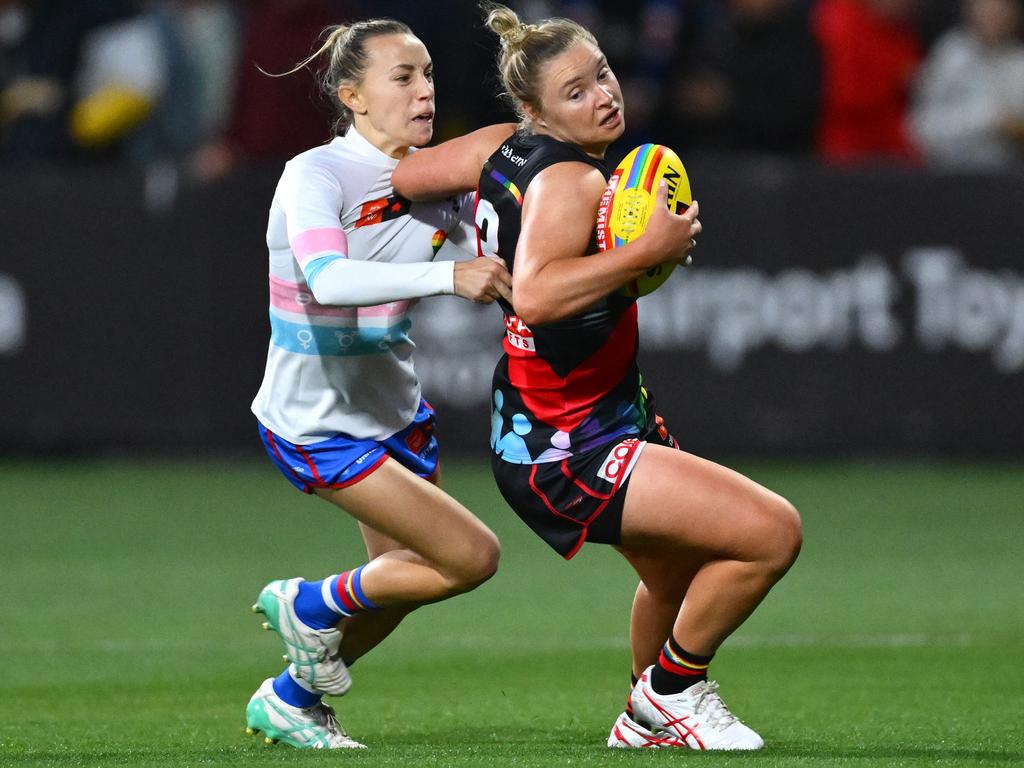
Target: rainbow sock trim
[
  {"x": 348, "y": 592},
  {"x": 674, "y": 660}
]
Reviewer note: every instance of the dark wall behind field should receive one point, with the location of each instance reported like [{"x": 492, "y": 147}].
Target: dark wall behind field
[{"x": 827, "y": 312}]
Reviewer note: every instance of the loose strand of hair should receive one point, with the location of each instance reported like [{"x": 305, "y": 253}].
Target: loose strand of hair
[{"x": 333, "y": 33}]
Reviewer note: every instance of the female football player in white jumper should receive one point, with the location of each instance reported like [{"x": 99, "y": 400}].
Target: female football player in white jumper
[
  {"x": 340, "y": 411},
  {"x": 579, "y": 451}
]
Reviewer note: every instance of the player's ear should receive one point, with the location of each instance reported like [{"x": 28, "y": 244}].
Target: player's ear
[
  {"x": 533, "y": 115},
  {"x": 352, "y": 98}
]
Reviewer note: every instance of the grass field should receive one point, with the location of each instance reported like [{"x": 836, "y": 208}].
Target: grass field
[{"x": 126, "y": 636}]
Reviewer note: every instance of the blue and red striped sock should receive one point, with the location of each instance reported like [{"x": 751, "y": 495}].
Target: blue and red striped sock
[
  {"x": 321, "y": 604},
  {"x": 677, "y": 669}
]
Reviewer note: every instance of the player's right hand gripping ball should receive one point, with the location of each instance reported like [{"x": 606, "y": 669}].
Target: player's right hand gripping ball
[{"x": 628, "y": 201}]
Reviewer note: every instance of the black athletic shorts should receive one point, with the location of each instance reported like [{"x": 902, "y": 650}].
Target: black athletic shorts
[{"x": 576, "y": 499}]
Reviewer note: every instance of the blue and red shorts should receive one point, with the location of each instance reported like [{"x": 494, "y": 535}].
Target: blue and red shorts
[{"x": 342, "y": 460}]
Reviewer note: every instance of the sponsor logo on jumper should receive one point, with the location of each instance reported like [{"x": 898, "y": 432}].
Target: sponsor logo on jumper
[
  {"x": 519, "y": 335},
  {"x": 511, "y": 156},
  {"x": 604, "y": 209}
]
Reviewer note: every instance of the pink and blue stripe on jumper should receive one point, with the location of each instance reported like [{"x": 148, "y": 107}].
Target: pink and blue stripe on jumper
[
  {"x": 300, "y": 324},
  {"x": 314, "y": 249}
]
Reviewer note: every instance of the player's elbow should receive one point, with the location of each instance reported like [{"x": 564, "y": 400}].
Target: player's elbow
[
  {"x": 325, "y": 294},
  {"x": 533, "y": 309},
  {"x": 320, "y": 275}
]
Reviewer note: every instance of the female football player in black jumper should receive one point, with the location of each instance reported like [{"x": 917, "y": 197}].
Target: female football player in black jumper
[{"x": 578, "y": 450}]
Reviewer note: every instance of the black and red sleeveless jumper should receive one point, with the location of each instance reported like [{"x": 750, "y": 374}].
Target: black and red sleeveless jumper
[{"x": 569, "y": 386}]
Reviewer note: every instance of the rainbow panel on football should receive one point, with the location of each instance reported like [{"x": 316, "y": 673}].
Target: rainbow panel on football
[{"x": 628, "y": 201}]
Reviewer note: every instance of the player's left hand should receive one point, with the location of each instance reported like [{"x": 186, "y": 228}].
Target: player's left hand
[{"x": 483, "y": 280}]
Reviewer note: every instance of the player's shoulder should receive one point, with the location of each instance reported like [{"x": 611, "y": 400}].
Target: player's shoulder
[
  {"x": 336, "y": 164},
  {"x": 583, "y": 180},
  {"x": 330, "y": 156}
]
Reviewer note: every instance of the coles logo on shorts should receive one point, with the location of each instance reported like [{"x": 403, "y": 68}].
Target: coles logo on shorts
[{"x": 619, "y": 462}]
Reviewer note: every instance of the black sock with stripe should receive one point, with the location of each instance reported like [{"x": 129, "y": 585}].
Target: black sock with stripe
[{"x": 677, "y": 669}]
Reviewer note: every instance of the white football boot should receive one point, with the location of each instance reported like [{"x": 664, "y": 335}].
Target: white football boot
[
  {"x": 697, "y": 717},
  {"x": 627, "y": 733},
  {"x": 313, "y": 652},
  {"x": 314, "y": 728}
]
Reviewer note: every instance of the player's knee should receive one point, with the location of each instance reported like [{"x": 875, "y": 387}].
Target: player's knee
[
  {"x": 478, "y": 564},
  {"x": 786, "y": 534}
]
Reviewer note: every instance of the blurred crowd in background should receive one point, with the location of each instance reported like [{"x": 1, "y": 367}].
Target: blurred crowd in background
[{"x": 916, "y": 82}]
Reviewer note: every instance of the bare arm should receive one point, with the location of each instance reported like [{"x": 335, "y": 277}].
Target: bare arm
[
  {"x": 448, "y": 168},
  {"x": 552, "y": 280}
]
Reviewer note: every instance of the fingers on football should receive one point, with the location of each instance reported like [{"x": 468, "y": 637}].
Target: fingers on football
[
  {"x": 691, "y": 214},
  {"x": 661, "y": 194}
]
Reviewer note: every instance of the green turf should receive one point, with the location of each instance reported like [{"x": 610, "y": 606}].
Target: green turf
[{"x": 126, "y": 639}]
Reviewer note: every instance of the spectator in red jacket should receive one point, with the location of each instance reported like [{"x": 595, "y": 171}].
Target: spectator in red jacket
[
  {"x": 274, "y": 118},
  {"x": 870, "y": 53}
]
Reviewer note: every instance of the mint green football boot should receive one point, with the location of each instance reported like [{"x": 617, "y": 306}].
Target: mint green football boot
[
  {"x": 313, "y": 652},
  {"x": 313, "y": 728}
]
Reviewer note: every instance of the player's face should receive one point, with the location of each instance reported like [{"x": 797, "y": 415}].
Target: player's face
[
  {"x": 580, "y": 100},
  {"x": 393, "y": 105}
]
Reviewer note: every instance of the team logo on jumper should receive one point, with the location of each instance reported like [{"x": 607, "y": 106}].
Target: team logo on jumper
[
  {"x": 384, "y": 209},
  {"x": 619, "y": 462}
]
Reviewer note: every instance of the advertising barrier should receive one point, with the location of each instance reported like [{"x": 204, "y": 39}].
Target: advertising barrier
[{"x": 827, "y": 312}]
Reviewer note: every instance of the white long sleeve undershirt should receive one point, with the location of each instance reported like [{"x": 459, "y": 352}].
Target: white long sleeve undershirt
[{"x": 351, "y": 283}]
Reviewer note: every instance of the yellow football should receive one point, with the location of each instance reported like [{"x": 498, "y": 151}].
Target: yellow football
[{"x": 628, "y": 201}]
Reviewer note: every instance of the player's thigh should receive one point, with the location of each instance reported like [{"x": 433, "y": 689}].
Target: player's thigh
[
  {"x": 378, "y": 543},
  {"x": 680, "y": 504},
  {"x": 414, "y": 513}
]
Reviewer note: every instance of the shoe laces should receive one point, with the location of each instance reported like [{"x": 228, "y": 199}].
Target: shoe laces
[
  {"x": 710, "y": 704},
  {"x": 325, "y": 716}
]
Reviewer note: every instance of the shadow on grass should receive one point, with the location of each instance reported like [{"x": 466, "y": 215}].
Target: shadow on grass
[
  {"x": 889, "y": 752},
  {"x": 488, "y": 746}
]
